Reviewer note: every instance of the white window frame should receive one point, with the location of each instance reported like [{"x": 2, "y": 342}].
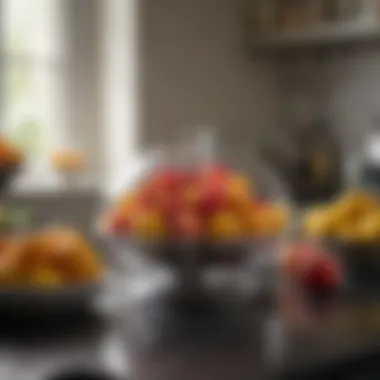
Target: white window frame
[
  {"x": 29, "y": 180},
  {"x": 101, "y": 109},
  {"x": 120, "y": 81}
]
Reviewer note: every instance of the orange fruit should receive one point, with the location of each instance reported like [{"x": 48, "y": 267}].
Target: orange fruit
[{"x": 225, "y": 226}]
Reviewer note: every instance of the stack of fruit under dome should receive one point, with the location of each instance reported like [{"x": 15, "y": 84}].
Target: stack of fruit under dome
[{"x": 197, "y": 218}]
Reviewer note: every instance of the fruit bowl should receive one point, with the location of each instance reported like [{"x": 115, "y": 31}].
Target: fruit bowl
[
  {"x": 310, "y": 269},
  {"x": 197, "y": 216},
  {"x": 53, "y": 267},
  {"x": 50, "y": 300},
  {"x": 350, "y": 227}
]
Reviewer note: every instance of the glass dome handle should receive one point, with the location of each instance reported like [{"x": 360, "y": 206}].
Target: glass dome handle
[{"x": 205, "y": 146}]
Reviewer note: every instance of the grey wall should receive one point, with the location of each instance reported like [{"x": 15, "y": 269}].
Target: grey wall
[
  {"x": 342, "y": 83},
  {"x": 354, "y": 92},
  {"x": 195, "y": 71}
]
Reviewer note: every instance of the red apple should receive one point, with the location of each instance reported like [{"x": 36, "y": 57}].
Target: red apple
[
  {"x": 217, "y": 173},
  {"x": 191, "y": 196},
  {"x": 189, "y": 177},
  {"x": 169, "y": 179},
  {"x": 324, "y": 273},
  {"x": 148, "y": 197},
  {"x": 299, "y": 258},
  {"x": 211, "y": 200},
  {"x": 170, "y": 206},
  {"x": 187, "y": 226}
]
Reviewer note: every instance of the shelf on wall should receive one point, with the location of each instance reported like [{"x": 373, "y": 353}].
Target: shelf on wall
[{"x": 325, "y": 35}]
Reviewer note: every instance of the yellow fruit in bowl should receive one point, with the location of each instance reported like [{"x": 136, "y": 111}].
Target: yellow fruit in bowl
[
  {"x": 318, "y": 223},
  {"x": 225, "y": 226},
  {"x": 148, "y": 225},
  {"x": 238, "y": 190},
  {"x": 127, "y": 203},
  {"x": 348, "y": 232},
  {"x": 264, "y": 219},
  {"x": 369, "y": 228},
  {"x": 356, "y": 203},
  {"x": 342, "y": 213},
  {"x": 278, "y": 217},
  {"x": 261, "y": 228},
  {"x": 45, "y": 277}
]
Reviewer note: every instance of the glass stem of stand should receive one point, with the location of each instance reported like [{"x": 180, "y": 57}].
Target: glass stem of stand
[{"x": 189, "y": 273}]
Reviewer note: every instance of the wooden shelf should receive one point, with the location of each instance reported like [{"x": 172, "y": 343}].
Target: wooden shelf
[{"x": 325, "y": 35}]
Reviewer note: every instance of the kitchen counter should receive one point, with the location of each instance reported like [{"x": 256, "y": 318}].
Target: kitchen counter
[{"x": 275, "y": 342}]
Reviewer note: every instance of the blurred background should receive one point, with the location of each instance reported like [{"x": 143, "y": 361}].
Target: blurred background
[
  {"x": 294, "y": 81},
  {"x": 87, "y": 85}
]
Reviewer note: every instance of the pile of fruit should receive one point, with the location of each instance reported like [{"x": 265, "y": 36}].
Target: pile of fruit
[
  {"x": 213, "y": 204},
  {"x": 53, "y": 257},
  {"x": 355, "y": 217},
  {"x": 312, "y": 268},
  {"x": 10, "y": 156}
]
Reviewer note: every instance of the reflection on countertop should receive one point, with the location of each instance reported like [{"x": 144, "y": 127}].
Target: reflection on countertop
[{"x": 289, "y": 338}]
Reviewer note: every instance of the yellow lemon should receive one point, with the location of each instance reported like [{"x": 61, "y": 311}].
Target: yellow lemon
[
  {"x": 45, "y": 277},
  {"x": 149, "y": 225},
  {"x": 225, "y": 226}
]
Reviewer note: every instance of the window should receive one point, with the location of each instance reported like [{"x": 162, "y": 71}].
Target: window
[
  {"x": 68, "y": 74},
  {"x": 32, "y": 81},
  {"x": 120, "y": 85}
]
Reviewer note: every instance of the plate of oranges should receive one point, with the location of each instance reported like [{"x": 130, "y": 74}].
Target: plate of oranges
[{"x": 53, "y": 268}]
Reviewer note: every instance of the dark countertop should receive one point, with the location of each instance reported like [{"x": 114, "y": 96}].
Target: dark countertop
[{"x": 271, "y": 342}]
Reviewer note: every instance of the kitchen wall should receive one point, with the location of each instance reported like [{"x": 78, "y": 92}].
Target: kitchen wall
[
  {"x": 347, "y": 83},
  {"x": 196, "y": 70},
  {"x": 354, "y": 92}
]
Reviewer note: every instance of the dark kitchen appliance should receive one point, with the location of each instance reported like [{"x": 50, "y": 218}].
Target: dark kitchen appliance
[
  {"x": 311, "y": 164},
  {"x": 316, "y": 173}
]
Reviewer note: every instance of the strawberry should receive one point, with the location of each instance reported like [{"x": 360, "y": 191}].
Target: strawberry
[
  {"x": 212, "y": 199},
  {"x": 187, "y": 226},
  {"x": 322, "y": 274}
]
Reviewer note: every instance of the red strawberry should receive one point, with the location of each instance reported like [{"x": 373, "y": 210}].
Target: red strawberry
[
  {"x": 212, "y": 199},
  {"x": 217, "y": 173},
  {"x": 323, "y": 274},
  {"x": 189, "y": 178},
  {"x": 169, "y": 179},
  {"x": 187, "y": 226},
  {"x": 170, "y": 207}
]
